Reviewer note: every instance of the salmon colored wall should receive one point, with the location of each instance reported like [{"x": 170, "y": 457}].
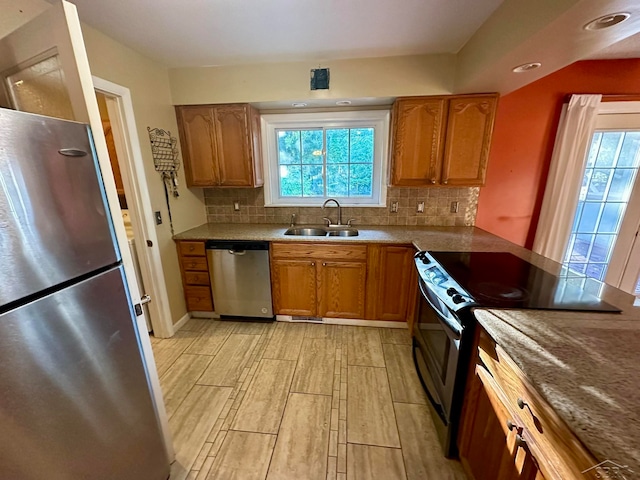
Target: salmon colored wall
[{"x": 523, "y": 138}]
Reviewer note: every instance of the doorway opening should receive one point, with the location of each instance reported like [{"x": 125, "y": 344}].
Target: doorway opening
[{"x": 116, "y": 112}]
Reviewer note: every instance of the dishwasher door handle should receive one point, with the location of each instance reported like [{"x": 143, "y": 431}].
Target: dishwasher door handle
[{"x": 237, "y": 252}]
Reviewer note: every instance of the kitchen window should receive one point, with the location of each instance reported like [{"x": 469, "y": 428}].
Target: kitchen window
[{"x": 310, "y": 157}]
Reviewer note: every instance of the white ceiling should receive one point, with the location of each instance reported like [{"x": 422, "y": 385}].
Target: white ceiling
[{"x": 226, "y": 32}]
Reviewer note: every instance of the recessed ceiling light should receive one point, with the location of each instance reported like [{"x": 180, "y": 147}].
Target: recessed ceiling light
[
  {"x": 607, "y": 21},
  {"x": 525, "y": 67},
  {"x": 343, "y": 103},
  {"x": 299, "y": 104}
]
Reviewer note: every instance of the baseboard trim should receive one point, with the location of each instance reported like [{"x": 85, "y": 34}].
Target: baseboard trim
[
  {"x": 346, "y": 321},
  {"x": 178, "y": 325}
]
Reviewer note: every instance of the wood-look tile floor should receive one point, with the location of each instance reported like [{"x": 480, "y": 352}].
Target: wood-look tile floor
[{"x": 279, "y": 401}]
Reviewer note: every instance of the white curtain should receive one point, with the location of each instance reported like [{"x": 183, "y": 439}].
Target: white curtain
[{"x": 565, "y": 176}]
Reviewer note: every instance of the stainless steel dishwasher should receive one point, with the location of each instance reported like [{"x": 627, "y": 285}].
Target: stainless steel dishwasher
[{"x": 240, "y": 278}]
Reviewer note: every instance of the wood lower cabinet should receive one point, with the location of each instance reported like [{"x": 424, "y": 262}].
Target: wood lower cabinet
[
  {"x": 326, "y": 280},
  {"x": 441, "y": 140},
  {"x": 195, "y": 275},
  {"x": 508, "y": 431},
  {"x": 221, "y": 145},
  {"x": 392, "y": 283},
  {"x": 341, "y": 289},
  {"x": 293, "y": 286}
]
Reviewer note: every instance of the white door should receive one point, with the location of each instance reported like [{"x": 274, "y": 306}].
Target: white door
[{"x": 46, "y": 65}]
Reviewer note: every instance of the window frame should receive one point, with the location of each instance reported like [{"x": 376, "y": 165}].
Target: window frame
[{"x": 377, "y": 119}]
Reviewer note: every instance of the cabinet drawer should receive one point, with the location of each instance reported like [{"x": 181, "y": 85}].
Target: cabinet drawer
[
  {"x": 194, "y": 263},
  {"x": 192, "y": 249},
  {"x": 196, "y": 278},
  {"x": 198, "y": 299},
  {"x": 319, "y": 251}
]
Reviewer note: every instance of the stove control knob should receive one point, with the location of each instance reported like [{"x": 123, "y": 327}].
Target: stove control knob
[
  {"x": 451, "y": 291},
  {"x": 457, "y": 298}
]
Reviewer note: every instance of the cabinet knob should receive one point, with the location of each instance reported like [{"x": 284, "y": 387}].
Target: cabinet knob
[
  {"x": 433, "y": 180},
  {"x": 520, "y": 442},
  {"x": 521, "y": 403},
  {"x": 324, "y": 264},
  {"x": 445, "y": 182},
  {"x": 313, "y": 264},
  {"x": 511, "y": 425}
]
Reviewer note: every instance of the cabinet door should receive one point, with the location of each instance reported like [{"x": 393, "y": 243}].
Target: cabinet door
[
  {"x": 195, "y": 125},
  {"x": 233, "y": 142},
  {"x": 397, "y": 284},
  {"x": 293, "y": 285},
  {"x": 342, "y": 289},
  {"x": 469, "y": 129},
  {"x": 418, "y": 128},
  {"x": 488, "y": 448}
]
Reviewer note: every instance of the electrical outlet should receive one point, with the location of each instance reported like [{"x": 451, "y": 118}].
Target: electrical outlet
[
  {"x": 236, "y": 206},
  {"x": 394, "y": 207},
  {"x": 420, "y": 207},
  {"x": 158, "y": 217},
  {"x": 454, "y": 207}
]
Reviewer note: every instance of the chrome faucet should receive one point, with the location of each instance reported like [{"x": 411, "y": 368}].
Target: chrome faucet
[
  {"x": 339, "y": 210},
  {"x": 293, "y": 220}
]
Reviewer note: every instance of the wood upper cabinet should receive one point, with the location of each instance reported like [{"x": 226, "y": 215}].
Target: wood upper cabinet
[
  {"x": 418, "y": 138},
  {"x": 469, "y": 128},
  {"x": 220, "y": 145},
  {"x": 341, "y": 288},
  {"x": 325, "y": 280},
  {"x": 392, "y": 282},
  {"x": 441, "y": 140},
  {"x": 293, "y": 286}
]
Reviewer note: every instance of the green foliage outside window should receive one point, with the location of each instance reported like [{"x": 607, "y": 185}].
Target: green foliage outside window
[{"x": 328, "y": 162}]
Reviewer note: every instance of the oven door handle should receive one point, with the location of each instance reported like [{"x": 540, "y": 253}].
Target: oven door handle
[
  {"x": 454, "y": 330},
  {"x": 437, "y": 405}
]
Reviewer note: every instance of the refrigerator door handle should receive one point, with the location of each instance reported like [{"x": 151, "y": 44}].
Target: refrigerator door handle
[{"x": 72, "y": 152}]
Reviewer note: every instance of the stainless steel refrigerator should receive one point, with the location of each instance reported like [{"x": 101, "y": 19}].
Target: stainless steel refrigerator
[{"x": 75, "y": 399}]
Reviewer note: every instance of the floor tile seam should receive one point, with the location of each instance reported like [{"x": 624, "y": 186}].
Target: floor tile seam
[{"x": 372, "y": 445}]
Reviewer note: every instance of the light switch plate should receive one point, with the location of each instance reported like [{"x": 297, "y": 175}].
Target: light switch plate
[
  {"x": 454, "y": 207},
  {"x": 158, "y": 217},
  {"x": 236, "y": 206},
  {"x": 420, "y": 207}
]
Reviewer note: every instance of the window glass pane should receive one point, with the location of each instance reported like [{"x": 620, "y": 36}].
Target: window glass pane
[
  {"x": 596, "y": 270},
  {"x": 312, "y": 149},
  {"x": 630, "y": 153},
  {"x": 361, "y": 180},
  {"x": 290, "y": 181},
  {"x": 593, "y": 149},
  {"x": 598, "y": 184},
  {"x": 611, "y": 217},
  {"x": 338, "y": 145},
  {"x": 288, "y": 147},
  {"x": 312, "y": 181},
  {"x": 608, "y": 149},
  {"x": 621, "y": 184},
  {"x": 361, "y": 150},
  {"x": 601, "y": 248},
  {"x": 338, "y": 180},
  {"x": 589, "y": 218}
]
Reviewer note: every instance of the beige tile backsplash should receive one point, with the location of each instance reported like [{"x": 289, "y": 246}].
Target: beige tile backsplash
[{"x": 437, "y": 201}]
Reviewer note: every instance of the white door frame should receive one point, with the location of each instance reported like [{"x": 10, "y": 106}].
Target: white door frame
[{"x": 137, "y": 194}]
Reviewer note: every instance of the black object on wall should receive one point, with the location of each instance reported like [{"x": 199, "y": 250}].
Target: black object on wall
[{"x": 320, "y": 79}]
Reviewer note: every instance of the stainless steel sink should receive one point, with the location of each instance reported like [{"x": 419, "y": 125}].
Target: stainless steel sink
[
  {"x": 347, "y": 232},
  {"x": 306, "y": 232}
]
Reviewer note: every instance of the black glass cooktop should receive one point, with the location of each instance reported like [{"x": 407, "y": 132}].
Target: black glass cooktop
[{"x": 502, "y": 280}]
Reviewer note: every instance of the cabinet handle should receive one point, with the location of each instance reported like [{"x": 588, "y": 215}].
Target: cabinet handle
[
  {"x": 445, "y": 182},
  {"x": 324, "y": 264},
  {"x": 511, "y": 425},
  {"x": 191, "y": 248},
  {"x": 520, "y": 442},
  {"x": 433, "y": 180},
  {"x": 313, "y": 264}
]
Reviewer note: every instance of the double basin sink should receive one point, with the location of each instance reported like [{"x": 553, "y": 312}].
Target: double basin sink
[{"x": 322, "y": 232}]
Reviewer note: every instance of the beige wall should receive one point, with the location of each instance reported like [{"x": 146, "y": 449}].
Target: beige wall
[
  {"x": 148, "y": 82},
  {"x": 356, "y": 78}
]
